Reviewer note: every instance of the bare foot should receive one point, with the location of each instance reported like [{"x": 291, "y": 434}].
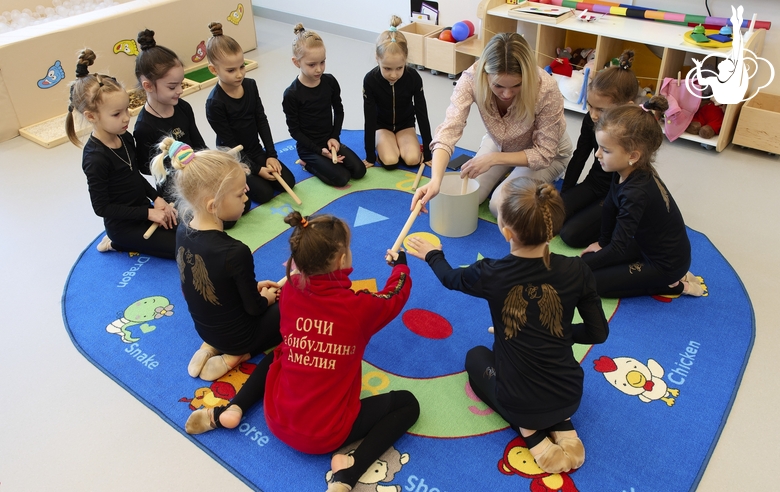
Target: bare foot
[
  {"x": 340, "y": 462},
  {"x": 231, "y": 417}
]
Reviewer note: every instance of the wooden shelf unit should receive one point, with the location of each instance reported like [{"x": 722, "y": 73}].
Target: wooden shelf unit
[{"x": 612, "y": 34}]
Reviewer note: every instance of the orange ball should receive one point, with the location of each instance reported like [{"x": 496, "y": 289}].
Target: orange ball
[{"x": 446, "y": 35}]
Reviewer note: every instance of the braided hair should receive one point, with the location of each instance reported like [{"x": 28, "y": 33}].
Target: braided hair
[{"x": 534, "y": 211}]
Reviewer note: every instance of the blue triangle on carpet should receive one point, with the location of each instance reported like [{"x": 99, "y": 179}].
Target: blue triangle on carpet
[{"x": 365, "y": 217}]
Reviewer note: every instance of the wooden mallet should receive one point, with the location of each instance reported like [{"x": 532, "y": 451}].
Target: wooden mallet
[
  {"x": 406, "y": 227},
  {"x": 464, "y": 186},
  {"x": 419, "y": 175},
  {"x": 286, "y": 187},
  {"x": 235, "y": 150}
]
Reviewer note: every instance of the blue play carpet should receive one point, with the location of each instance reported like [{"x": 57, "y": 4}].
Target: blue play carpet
[{"x": 126, "y": 314}]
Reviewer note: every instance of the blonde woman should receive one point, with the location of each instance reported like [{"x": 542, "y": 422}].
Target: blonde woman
[{"x": 522, "y": 110}]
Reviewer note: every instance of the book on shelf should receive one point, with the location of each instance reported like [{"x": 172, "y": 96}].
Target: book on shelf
[{"x": 540, "y": 12}]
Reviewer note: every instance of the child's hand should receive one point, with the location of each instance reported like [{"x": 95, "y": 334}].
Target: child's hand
[
  {"x": 274, "y": 165},
  {"x": 591, "y": 249},
  {"x": 269, "y": 289},
  {"x": 163, "y": 213},
  {"x": 419, "y": 248},
  {"x": 394, "y": 259},
  {"x": 265, "y": 173}
]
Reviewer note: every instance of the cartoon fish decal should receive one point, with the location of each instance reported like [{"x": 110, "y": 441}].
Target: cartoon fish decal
[
  {"x": 238, "y": 14},
  {"x": 126, "y": 46},
  {"x": 200, "y": 52},
  {"x": 55, "y": 74}
]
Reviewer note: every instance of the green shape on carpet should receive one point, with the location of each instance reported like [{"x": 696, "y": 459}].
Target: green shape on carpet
[{"x": 469, "y": 417}]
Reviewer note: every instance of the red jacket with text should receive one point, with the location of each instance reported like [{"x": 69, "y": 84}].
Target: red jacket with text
[{"x": 312, "y": 393}]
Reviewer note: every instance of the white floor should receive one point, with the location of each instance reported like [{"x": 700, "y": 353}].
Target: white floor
[{"x": 66, "y": 426}]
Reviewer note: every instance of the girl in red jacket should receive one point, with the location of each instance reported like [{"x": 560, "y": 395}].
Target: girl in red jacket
[{"x": 311, "y": 383}]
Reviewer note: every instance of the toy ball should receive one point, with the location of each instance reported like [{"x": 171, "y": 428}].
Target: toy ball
[
  {"x": 446, "y": 35},
  {"x": 460, "y": 31},
  {"x": 471, "y": 26}
]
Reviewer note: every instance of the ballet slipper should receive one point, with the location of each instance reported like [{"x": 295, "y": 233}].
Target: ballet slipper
[
  {"x": 694, "y": 289},
  {"x": 200, "y": 421},
  {"x": 571, "y": 444},
  {"x": 198, "y": 360},
  {"x": 214, "y": 368},
  {"x": 549, "y": 456},
  {"x": 105, "y": 245}
]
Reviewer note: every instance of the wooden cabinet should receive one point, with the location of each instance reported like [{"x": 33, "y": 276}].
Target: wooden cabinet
[{"x": 610, "y": 35}]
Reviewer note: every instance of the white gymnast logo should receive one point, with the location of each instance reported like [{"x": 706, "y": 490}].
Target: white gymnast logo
[{"x": 730, "y": 84}]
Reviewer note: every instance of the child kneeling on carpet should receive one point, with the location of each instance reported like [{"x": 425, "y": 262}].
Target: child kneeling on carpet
[
  {"x": 235, "y": 316},
  {"x": 392, "y": 99},
  {"x": 530, "y": 377},
  {"x": 643, "y": 248},
  {"x": 315, "y": 407},
  {"x": 127, "y": 202}
]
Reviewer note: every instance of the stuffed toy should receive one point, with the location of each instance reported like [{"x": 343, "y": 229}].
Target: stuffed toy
[
  {"x": 581, "y": 57},
  {"x": 561, "y": 66},
  {"x": 707, "y": 120},
  {"x": 564, "y": 53}
]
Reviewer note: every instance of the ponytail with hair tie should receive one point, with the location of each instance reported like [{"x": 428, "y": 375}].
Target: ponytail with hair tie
[{"x": 181, "y": 152}]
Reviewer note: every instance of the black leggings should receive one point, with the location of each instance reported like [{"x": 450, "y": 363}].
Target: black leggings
[
  {"x": 582, "y": 225},
  {"x": 630, "y": 276},
  {"x": 128, "y": 235},
  {"x": 337, "y": 175},
  {"x": 382, "y": 420},
  {"x": 480, "y": 366},
  {"x": 262, "y": 190}
]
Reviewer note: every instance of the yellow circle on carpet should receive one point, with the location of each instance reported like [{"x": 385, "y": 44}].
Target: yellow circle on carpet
[{"x": 422, "y": 235}]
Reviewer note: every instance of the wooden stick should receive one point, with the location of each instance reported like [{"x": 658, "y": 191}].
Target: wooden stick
[
  {"x": 464, "y": 186},
  {"x": 334, "y": 155},
  {"x": 286, "y": 187},
  {"x": 235, "y": 150},
  {"x": 419, "y": 175},
  {"x": 407, "y": 226}
]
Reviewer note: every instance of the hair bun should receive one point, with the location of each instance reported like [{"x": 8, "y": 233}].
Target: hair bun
[
  {"x": 294, "y": 219},
  {"x": 299, "y": 28},
  {"x": 215, "y": 28},
  {"x": 395, "y": 21},
  {"x": 146, "y": 40},
  {"x": 546, "y": 191},
  {"x": 626, "y": 59},
  {"x": 657, "y": 103},
  {"x": 86, "y": 58}
]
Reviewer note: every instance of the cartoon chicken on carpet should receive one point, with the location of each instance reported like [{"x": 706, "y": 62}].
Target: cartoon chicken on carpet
[{"x": 636, "y": 379}]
